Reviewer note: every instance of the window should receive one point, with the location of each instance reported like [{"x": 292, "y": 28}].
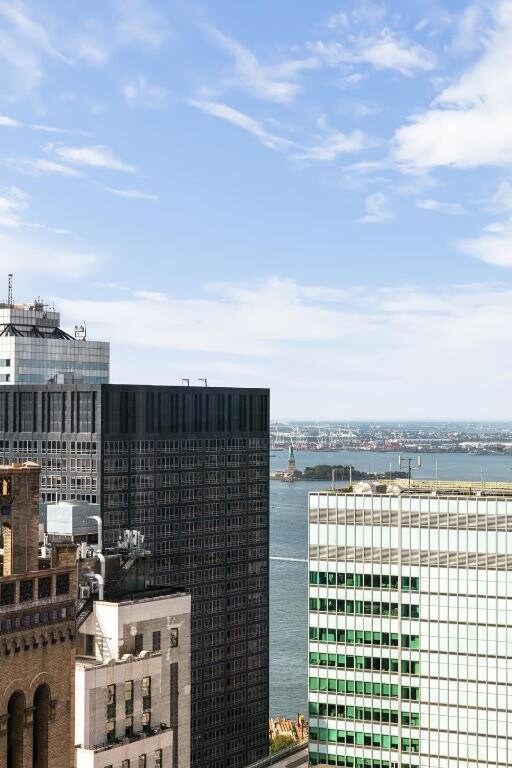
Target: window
[
  {"x": 26, "y": 590},
  {"x": 158, "y": 758},
  {"x": 157, "y": 640},
  {"x": 173, "y": 637},
  {"x": 142, "y": 761},
  {"x": 128, "y": 697},
  {"x": 62, "y": 583},
  {"x": 44, "y": 587},
  {"x": 89, "y": 646},
  {"x": 111, "y": 700},
  {"x": 138, "y": 644},
  {"x": 7, "y": 593},
  {"x": 146, "y": 694},
  {"x": 125, "y": 764}
]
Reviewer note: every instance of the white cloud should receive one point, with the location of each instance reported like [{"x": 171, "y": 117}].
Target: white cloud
[
  {"x": 141, "y": 24},
  {"x": 274, "y": 82},
  {"x": 452, "y": 209},
  {"x": 9, "y": 122},
  {"x": 273, "y": 326},
  {"x": 382, "y": 52},
  {"x": 40, "y": 166},
  {"x": 13, "y": 204},
  {"x": 377, "y": 209},
  {"x": 469, "y": 124},
  {"x": 247, "y": 123},
  {"x": 25, "y": 44},
  {"x": 91, "y": 51},
  {"x": 338, "y": 21},
  {"x": 494, "y": 245},
  {"x": 44, "y": 258},
  {"x": 471, "y": 28},
  {"x": 94, "y": 157},
  {"x": 333, "y": 144},
  {"x": 493, "y": 248},
  {"x": 138, "y": 92},
  {"x": 133, "y": 194}
]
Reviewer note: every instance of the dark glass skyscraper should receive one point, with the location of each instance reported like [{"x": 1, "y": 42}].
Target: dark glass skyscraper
[{"x": 188, "y": 467}]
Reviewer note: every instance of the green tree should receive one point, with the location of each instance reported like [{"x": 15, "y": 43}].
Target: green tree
[{"x": 280, "y": 742}]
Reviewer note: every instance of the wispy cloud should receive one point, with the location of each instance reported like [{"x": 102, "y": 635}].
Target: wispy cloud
[
  {"x": 100, "y": 157},
  {"x": 377, "y": 209},
  {"x": 91, "y": 51},
  {"x": 452, "y": 209},
  {"x": 243, "y": 121},
  {"x": 271, "y": 82},
  {"x": 10, "y": 122},
  {"x": 132, "y": 194},
  {"x": 25, "y": 44},
  {"x": 41, "y": 166},
  {"x": 138, "y": 92},
  {"x": 141, "y": 24},
  {"x": 44, "y": 258},
  {"x": 332, "y": 143},
  {"x": 383, "y": 52},
  {"x": 13, "y": 204}
]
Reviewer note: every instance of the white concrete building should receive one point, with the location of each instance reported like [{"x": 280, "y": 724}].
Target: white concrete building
[
  {"x": 35, "y": 350},
  {"x": 132, "y": 685},
  {"x": 410, "y": 625}
]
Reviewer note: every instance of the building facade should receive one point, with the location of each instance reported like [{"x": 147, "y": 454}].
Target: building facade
[
  {"x": 410, "y": 625},
  {"x": 132, "y": 693},
  {"x": 189, "y": 467},
  {"x": 35, "y": 350},
  {"x": 37, "y": 633}
]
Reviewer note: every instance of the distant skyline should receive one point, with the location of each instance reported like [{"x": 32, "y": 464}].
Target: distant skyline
[{"x": 311, "y": 197}]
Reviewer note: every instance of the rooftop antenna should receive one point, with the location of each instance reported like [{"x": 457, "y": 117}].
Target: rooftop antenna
[
  {"x": 187, "y": 381},
  {"x": 205, "y": 381},
  {"x": 9, "y": 289},
  {"x": 408, "y": 462}
]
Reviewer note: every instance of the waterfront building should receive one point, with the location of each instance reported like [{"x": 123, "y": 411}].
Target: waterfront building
[
  {"x": 410, "y": 629},
  {"x": 188, "y": 467},
  {"x": 132, "y": 692},
  {"x": 37, "y": 633},
  {"x": 35, "y": 350}
]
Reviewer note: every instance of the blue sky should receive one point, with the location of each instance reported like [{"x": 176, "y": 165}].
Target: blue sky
[{"x": 314, "y": 197}]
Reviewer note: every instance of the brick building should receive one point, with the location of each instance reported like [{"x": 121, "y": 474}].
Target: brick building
[{"x": 37, "y": 629}]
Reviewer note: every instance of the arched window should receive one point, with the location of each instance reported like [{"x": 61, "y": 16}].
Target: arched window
[
  {"x": 15, "y": 725},
  {"x": 40, "y": 727}
]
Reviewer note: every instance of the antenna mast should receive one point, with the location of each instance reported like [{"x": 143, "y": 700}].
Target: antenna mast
[{"x": 9, "y": 290}]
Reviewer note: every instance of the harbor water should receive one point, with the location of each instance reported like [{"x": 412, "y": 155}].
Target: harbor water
[{"x": 288, "y": 552}]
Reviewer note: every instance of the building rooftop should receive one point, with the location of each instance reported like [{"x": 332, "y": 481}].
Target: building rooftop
[
  {"x": 385, "y": 486},
  {"x": 150, "y": 593}
]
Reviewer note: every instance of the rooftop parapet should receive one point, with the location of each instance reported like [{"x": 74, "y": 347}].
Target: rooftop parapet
[{"x": 385, "y": 486}]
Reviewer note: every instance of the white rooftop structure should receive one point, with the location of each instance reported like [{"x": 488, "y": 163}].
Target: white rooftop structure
[
  {"x": 35, "y": 350},
  {"x": 132, "y": 683}
]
